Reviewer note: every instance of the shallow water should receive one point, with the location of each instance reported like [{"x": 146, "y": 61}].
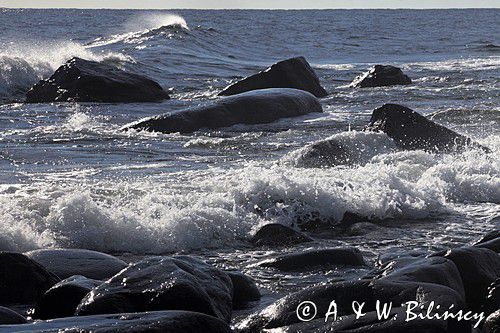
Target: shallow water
[{"x": 70, "y": 178}]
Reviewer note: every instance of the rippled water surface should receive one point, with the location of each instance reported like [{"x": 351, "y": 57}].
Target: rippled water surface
[{"x": 70, "y": 178}]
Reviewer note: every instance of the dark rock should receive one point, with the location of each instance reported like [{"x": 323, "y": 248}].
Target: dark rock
[
  {"x": 275, "y": 234},
  {"x": 410, "y": 130},
  {"x": 68, "y": 262},
  {"x": 163, "y": 283},
  {"x": 479, "y": 268},
  {"x": 62, "y": 299},
  {"x": 10, "y": 317},
  {"x": 22, "y": 280},
  {"x": 291, "y": 73},
  {"x": 492, "y": 302},
  {"x": 255, "y": 107},
  {"x": 284, "y": 312},
  {"x": 245, "y": 290},
  {"x": 435, "y": 270},
  {"x": 380, "y": 75},
  {"x": 322, "y": 258},
  {"x": 492, "y": 323},
  {"x": 82, "y": 80},
  {"x": 150, "y": 322},
  {"x": 323, "y": 154},
  {"x": 490, "y": 241}
]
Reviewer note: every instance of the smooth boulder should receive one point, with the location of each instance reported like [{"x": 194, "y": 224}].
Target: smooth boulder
[
  {"x": 163, "y": 283},
  {"x": 245, "y": 291},
  {"x": 312, "y": 259},
  {"x": 62, "y": 299},
  {"x": 410, "y": 130},
  {"x": 80, "y": 80},
  {"x": 490, "y": 241},
  {"x": 148, "y": 322},
  {"x": 68, "y": 262},
  {"x": 275, "y": 234},
  {"x": 22, "y": 280},
  {"x": 291, "y": 73},
  {"x": 380, "y": 76},
  {"x": 254, "y": 107},
  {"x": 10, "y": 317}
]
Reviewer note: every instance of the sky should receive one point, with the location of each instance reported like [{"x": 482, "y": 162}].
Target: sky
[{"x": 264, "y": 4}]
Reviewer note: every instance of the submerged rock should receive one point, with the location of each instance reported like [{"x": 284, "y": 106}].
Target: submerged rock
[
  {"x": 255, "y": 107},
  {"x": 22, "y": 280},
  {"x": 10, "y": 317},
  {"x": 410, "y": 130},
  {"x": 163, "y": 283},
  {"x": 82, "y": 80},
  {"x": 275, "y": 234},
  {"x": 291, "y": 73},
  {"x": 479, "y": 268},
  {"x": 381, "y": 75},
  {"x": 322, "y": 258},
  {"x": 62, "y": 299},
  {"x": 68, "y": 262},
  {"x": 148, "y": 322},
  {"x": 245, "y": 290}
]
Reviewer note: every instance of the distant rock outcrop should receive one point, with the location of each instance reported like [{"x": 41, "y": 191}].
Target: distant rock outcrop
[{"x": 381, "y": 75}]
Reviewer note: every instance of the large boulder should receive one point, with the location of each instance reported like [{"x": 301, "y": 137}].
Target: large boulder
[
  {"x": 245, "y": 290},
  {"x": 284, "y": 312},
  {"x": 254, "y": 107},
  {"x": 82, "y": 80},
  {"x": 381, "y": 75},
  {"x": 479, "y": 268},
  {"x": 22, "y": 280},
  {"x": 62, "y": 299},
  {"x": 490, "y": 241},
  {"x": 8, "y": 316},
  {"x": 68, "y": 262},
  {"x": 291, "y": 73},
  {"x": 163, "y": 283},
  {"x": 149, "y": 322},
  {"x": 410, "y": 130},
  {"x": 312, "y": 259},
  {"x": 275, "y": 234}
]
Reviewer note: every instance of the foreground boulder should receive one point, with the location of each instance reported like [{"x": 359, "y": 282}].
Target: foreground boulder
[
  {"x": 381, "y": 75},
  {"x": 149, "y": 322},
  {"x": 245, "y": 291},
  {"x": 62, "y": 299},
  {"x": 8, "y": 316},
  {"x": 22, "y": 280},
  {"x": 163, "y": 283},
  {"x": 311, "y": 259},
  {"x": 275, "y": 234},
  {"x": 68, "y": 262},
  {"x": 82, "y": 80},
  {"x": 255, "y": 107},
  {"x": 291, "y": 73},
  {"x": 410, "y": 130}
]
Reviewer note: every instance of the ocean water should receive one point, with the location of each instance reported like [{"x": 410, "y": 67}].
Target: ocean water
[{"x": 70, "y": 178}]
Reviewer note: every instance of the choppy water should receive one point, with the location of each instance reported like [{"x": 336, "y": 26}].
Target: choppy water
[{"x": 69, "y": 177}]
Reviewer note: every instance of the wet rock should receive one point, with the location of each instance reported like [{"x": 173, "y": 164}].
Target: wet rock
[
  {"x": 22, "y": 280},
  {"x": 490, "y": 241},
  {"x": 254, "y": 107},
  {"x": 492, "y": 302},
  {"x": 245, "y": 291},
  {"x": 10, "y": 317},
  {"x": 380, "y": 75},
  {"x": 82, "y": 80},
  {"x": 163, "y": 283},
  {"x": 275, "y": 234},
  {"x": 323, "y": 154},
  {"x": 284, "y": 312},
  {"x": 410, "y": 130},
  {"x": 291, "y": 73},
  {"x": 322, "y": 258},
  {"x": 150, "y": 322},
  {"x": 68, "y": 262},
  {"x": 479, "y": 268},
  {"x": 62, "y": 299},
  {"x": 492, "y": 323},
  {"x": 436, "y": 270}
]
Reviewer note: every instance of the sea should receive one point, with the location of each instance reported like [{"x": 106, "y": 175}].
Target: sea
[{"x": 71, "y": 178}]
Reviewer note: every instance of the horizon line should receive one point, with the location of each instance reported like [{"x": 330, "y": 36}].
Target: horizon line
[{"x": 321, "y": 8}]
